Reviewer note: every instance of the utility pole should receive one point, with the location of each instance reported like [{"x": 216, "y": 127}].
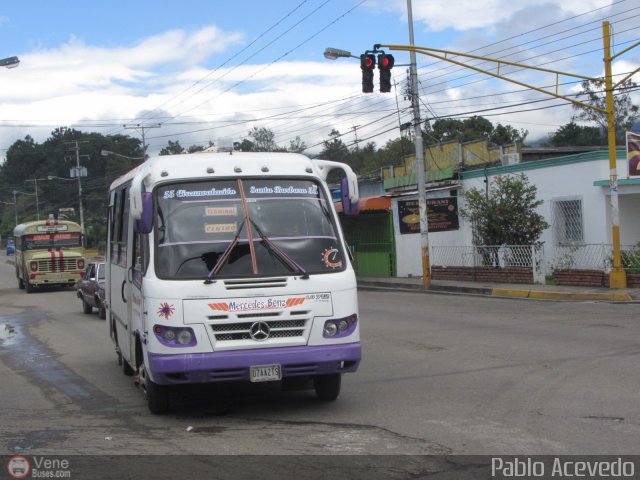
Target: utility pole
[
  {"x": 78, "y": 173},
  {"x": 142, "y": 127},
  {"x": 355, "y": 134},
  {"x": 15, "y": 206},
  {"x": 422, "y": 193},
  {"x": 35, "y": 181}
]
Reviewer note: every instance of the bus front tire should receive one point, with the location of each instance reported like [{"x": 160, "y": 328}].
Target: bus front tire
[
  {"x": 28, "y": 287},
  {"x": 20, "y": 283},
  {"x": 327, "y": 386},
  {"x": 157, "y": 397}
]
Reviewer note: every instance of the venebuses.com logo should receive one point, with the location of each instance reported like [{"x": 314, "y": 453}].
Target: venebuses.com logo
[
  {"x": 38, "y": 467},
  {"x": 18, "y": 467}
]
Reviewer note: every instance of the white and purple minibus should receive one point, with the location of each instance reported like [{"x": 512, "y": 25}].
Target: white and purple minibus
[{"x": 231, "y": 267}]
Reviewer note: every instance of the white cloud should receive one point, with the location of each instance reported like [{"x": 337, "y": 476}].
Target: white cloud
[{"x": 461, "y": 15}]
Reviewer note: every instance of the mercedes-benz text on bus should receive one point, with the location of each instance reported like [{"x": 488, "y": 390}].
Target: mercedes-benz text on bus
[
  {"x": 231, "y": 267},
  {"x": 48, "y": 252}
]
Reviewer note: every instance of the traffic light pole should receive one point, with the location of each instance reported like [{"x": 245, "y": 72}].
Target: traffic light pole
[{"x": 422, "y": 192}]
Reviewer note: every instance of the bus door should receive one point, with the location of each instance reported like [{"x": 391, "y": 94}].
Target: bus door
[
  {"x": 119, "y": 273},
  {"x": 139, "y": 263}
]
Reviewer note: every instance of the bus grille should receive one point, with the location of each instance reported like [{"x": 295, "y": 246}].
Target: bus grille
[
  {"x": 58, "y": 265},
  {"x": 241, "y": 330}
]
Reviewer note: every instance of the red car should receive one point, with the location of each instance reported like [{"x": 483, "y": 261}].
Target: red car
[{"x": 91, "y": 288}]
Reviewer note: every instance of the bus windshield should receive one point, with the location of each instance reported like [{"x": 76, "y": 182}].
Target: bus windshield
[
  {"x": 51, "y": 240},
  {"x": 244, "y": 227}
]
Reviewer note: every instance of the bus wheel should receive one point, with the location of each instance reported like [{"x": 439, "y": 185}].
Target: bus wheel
[
  {"x": 327, "y": 386},
  {"x": 28, "y": 287},
  {"x": 20, "y": 282},
  {"x": 157, "y": 395}
]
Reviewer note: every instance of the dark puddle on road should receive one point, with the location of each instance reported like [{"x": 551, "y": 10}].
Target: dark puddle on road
[{"x": 29, "y": 357}]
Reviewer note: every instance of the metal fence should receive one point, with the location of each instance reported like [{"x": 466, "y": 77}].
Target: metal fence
[
  {"x": 575, "y": 257},
  {"x": 485, "y": 255}
]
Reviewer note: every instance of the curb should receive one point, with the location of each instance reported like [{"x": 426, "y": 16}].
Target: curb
[
  {"x": 575, "y": 296},
  {"x": 499, "y": 292}
]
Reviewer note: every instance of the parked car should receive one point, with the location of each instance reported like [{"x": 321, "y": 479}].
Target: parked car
[
  {"x": 11, "y": 247},
  {"x": 91, "y": 288}
]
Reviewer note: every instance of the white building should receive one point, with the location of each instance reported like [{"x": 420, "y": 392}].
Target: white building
[{"x": 576, "y": 194}]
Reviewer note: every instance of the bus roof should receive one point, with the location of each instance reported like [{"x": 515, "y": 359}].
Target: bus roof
[
  {"x": 224, "y": 164},
  {"x": 44, "y": 226}
]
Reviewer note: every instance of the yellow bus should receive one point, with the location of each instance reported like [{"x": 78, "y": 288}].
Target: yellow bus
[{"x": 48, "y": 252}]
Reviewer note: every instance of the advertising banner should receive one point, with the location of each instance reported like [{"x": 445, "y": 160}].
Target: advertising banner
[{"x": 633, "y": 154}]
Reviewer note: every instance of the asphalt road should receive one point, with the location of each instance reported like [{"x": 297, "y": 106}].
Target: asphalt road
[{"x": 441, "y": 375}]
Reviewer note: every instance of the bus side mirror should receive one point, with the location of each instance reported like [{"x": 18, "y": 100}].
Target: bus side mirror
[
  {"x": 144, "y": 224},
  {"x": 348, "y": 207}
]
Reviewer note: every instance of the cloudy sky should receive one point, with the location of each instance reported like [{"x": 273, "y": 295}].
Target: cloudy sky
[{"x": 211, "y": 70}]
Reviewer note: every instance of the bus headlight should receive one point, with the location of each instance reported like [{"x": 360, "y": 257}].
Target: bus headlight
[
  {"x": 185, "y": 336},
  {"x": 330, "y": 329},
  {"x": 33, "y": 266},
  {"x": 175, "y": 337},
  {"x": 340, "y": 327}
]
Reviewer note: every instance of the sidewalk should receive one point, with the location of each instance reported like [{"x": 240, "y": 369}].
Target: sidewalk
[{"x": 540, "y": 292}]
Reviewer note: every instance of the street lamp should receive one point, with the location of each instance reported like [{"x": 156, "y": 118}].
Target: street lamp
[
  {"x": 10, "y": 62},
  {"x": 335, "y": 53},
  {"x": 106, "y": 153}
]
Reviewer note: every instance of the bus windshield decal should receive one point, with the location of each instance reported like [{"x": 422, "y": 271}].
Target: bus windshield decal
[
  {"x": 290, "y": 190},
  {"x": 213, "y": 192}
]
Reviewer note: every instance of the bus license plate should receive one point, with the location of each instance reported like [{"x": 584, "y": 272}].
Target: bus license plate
[{"x": 265, "y": 373}]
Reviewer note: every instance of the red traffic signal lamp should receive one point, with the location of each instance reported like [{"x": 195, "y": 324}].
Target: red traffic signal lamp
[
  {"x": 367, "y": 64},
  {"x": 385, "y": 64}
]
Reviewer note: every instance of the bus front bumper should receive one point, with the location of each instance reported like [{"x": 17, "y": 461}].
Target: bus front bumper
[{"x": 235, "y": 365}]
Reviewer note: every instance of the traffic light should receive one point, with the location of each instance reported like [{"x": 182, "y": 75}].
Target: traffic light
[
  {"x": 367, "y": 64},
  {"x": 385, "y": 64}
]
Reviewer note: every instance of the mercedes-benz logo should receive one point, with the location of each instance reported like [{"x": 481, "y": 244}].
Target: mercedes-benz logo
[{"x": 259, "y": 331}]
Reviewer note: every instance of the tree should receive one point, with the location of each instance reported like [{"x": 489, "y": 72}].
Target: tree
[
  {"x": 574, "y": 135},
  {"x": 469, "y": 129},
  {"x": 244, "y": 146},
  {"x": 29, "y": 162},
  {"x": 172, "y": 148},
  {"x": 263, "y": 140},
  {"x": 195, "y": 148},
  {"x": 506, "y": 213},
  {"x": 625, "y": 112},
  {"x": 506, "y": 134},
  {"x": 334, "y": 148},
  {"x": 297, "y": 145}
]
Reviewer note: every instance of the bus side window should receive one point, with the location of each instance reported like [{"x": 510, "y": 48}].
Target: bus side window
[
  {"x": 124, "y": 234},
  {"x": 140, "y": 256},
  {"x": 116, "y": 226}
]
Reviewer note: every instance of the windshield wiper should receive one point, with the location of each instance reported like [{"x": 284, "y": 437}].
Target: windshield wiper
[
  {"x": 282, "y": 256},
  {"x": 224, "y": 257}
]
